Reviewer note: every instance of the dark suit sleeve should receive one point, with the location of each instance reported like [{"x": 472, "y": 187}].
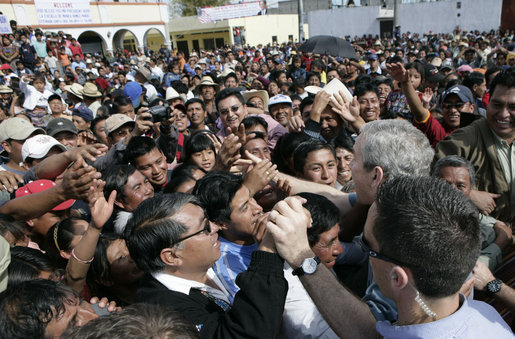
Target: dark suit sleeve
[
  {"x": 258, "y": 306},
  {"x": 168, "y": 141}
]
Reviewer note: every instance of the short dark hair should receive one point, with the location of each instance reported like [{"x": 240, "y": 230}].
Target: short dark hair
[
  {"x": 455, "y": 161},
  {"x": 254, "y": 120},
  {"x": 432, "y": 228},
  {"x": 306, "y": 102},
  {"x": 116, "y": 178},
  {"x": 30, "y": 306},
  {"x": 198, "y": 142},
  {"x": 218, "y": 206},
  {"x": 139, "y": 146},
  {"x": 383, "y": 80},
  {"x": 119, "y": 101},
  {"x": 343, "y": 141},
  {"x": 94, "y": 122},
  {"x": 313, "y": 74},
  {"x": 302, "y": 151},
  {"x": 150, "y": 230},
  {"x": 195, "y": 100},
  {"x": 365, "y": 87},
  {"x": 27, "y": 264},
  {"x": 324, "y": 213},
  {"x": 54, "y": 97},
  {"x": 137, "y": 321},
  {"x": 227, "y": 92},
  {"x": 284, "y": 149},
  {"x": 505, "y": 78},
  {"x": 474, "y": 78}
]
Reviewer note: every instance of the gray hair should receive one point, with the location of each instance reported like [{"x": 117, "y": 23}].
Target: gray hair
[
  {"x": 397, "y": 147},
  {"x": 455, "y": 161}
]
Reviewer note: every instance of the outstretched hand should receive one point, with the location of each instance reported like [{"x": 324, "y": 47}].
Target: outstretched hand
[
  {"x": 397, "y": 72},
  {"x": 101, "y": 209}
]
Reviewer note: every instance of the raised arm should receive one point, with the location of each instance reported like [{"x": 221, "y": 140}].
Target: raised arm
[
  {"x": 82, "y": 255},
  {"x": 346, "y": 314},
  {"x": 399, "y": 73}
]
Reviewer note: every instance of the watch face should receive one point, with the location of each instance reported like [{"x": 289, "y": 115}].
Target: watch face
[
  {"x": 309, "y": 266},
  {"x": 494, "y": 286}
]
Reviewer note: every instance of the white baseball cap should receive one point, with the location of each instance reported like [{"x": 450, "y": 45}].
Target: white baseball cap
[{"x": 39, "y": 145}]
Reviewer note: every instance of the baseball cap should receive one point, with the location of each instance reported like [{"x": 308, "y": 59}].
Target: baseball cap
[
  {"x": 17, "y": 129},
  {"x": 40, "y": 186},
  {"x": 38, "y": 146},
  {"x": 373, "y": 56},
  {"x": 279, "y": 99},
  {"x": 60, "y": 125},
  {"x": 83, "y": 112},
  {"x": 461, "y": 91},
  {"x": 116, "y": 121},
  {"x": 133, "y": 91},
  {"x": 432, "y": 74}
]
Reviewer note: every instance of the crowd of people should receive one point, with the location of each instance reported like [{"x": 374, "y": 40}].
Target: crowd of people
[{"x": 258, "y": 191}]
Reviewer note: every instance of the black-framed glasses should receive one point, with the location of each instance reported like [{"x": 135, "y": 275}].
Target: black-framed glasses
[
  {"x": 206, "y": 229},
  {"x": 365, "y": 247},
  {"x": 233, "y": 109}
]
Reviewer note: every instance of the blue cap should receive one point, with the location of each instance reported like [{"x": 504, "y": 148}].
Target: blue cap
[
  {"x": 279, "y": 99},
  {"x": 133, "y": 91},
  {"x": 461, "y": 91},
  {"x": 83, "y": 112},
  {"x": 373, "y": 56}
]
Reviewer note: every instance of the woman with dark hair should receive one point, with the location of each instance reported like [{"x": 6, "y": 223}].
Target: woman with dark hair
[
  {"x": 62, "y": 238},
  {"x": 344, "y": 147},
  {"x": 113, "y": 273}
]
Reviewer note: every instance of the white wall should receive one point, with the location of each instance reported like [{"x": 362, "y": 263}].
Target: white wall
[{"x": 440, "y": 16}]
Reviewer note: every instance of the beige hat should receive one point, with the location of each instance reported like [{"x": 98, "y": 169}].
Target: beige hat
[
  {"x": 227, "y": 71},
  {"x": 89, "y": 61},
  {"x": 91, "y": 90},
  {"x": 75, "y": 89},
  {"x": 132, "y": 62},
  {"x": 116, "y": 121},
  {"x": 171, "y": 94},
  {"x": 247, "y": 95},
  {"x": 207, "y": 81},
  {"x": 144, "y": 70},
  {"x": 17, "y": 129},
  {"x": 4, "y": 89},
  {"x": 39, "y": 145}
]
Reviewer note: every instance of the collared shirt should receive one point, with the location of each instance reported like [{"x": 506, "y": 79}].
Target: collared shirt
[
  {"x": 474, "y": 319},
  {"x": 182, "y": 285},
  {"x": 506, "y": 156}
]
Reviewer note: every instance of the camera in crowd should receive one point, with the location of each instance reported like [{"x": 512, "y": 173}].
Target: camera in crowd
[{"x": 160, "y": 113}]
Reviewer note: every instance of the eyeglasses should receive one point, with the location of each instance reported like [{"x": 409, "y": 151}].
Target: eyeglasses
[
  {"x": 457, "y": 105},
  {"x": 365, "y": 247},
  {"x": 233, "y": 109},
  {"x": 206, "y": 229}
]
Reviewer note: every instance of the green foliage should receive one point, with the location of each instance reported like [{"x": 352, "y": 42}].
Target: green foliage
[{"x": 190, "y": 6}]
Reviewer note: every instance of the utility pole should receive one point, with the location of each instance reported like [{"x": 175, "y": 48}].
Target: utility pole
[
  {"x": 301, "y": 21},
  {"x": 395, "y": 16}
]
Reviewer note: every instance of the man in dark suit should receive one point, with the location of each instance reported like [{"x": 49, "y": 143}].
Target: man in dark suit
[
  {"x": 264, "y": 10},
  {"x": 172, "y": 240}
]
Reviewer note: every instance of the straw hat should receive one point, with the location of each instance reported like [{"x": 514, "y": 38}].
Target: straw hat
[
  {"x": 91, "y": 90},
  {"x": 263, "y": 95}
]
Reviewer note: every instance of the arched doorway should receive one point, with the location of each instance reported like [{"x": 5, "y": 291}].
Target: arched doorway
[
  {"x": 154, "y": 39},
  {"x": 91, "y": 42},
  {"x": 125, "y": 40}
]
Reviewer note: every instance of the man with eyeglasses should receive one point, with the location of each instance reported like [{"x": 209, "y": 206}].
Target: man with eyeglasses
[
  {"x": 232, "y": 110},
  {"x": 174, "y": 243},
  {"x": 455, "y": 101}
]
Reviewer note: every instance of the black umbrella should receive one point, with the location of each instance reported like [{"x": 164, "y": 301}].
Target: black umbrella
[{"x": 329, "y": 45}]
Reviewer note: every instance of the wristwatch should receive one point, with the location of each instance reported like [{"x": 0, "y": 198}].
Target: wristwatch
[
  {"x": 493, "y": 287},
  {"x": 308, "y": 266}
]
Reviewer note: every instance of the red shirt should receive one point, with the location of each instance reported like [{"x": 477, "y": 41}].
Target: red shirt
[{"x": 433, "y": 130}]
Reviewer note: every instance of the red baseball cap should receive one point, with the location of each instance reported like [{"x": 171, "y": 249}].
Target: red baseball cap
[{"x": 40, "y": 186}]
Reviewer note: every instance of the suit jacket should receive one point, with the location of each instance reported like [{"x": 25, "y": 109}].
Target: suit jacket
[
  {"x": 255, "y": 313},
  {"x": 476, "y": 144}
]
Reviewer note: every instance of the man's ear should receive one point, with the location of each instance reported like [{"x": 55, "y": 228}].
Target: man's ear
[
  {"x": 6, "y": 146},
  {"x": 30, "y": 222},
  {"x": 119, "y": 204},
  {"x": 399, "y": 278},
  {"x": 378, "y": 176},
  {"x": 170, "y": 257}
]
